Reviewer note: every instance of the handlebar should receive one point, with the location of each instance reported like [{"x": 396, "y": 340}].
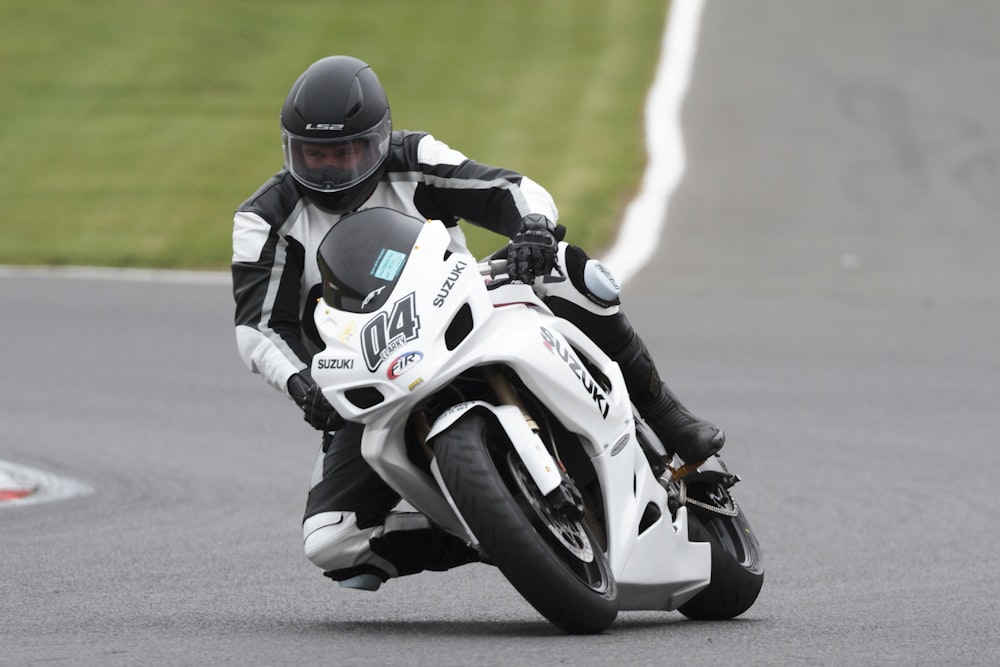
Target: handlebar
[{"x": 492, "y": 268}]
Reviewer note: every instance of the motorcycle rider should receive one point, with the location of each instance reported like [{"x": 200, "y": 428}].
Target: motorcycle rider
[{"x": 340, "y": 155}]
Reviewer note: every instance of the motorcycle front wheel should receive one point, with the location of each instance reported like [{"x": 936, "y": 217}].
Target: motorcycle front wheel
[{"x": 553, "y": 561}]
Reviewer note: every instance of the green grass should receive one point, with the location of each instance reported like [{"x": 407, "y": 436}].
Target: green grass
[{"x": 130, "y": 130}]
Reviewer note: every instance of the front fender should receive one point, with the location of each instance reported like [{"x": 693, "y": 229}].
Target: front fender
[{"x": 540, "y": 464}]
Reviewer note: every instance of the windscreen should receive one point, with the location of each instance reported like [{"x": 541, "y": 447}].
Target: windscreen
[{"x": 362, "y": 256}]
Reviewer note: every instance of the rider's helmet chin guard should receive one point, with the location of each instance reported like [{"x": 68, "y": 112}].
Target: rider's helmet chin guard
[{"x": 335, "y": 129}]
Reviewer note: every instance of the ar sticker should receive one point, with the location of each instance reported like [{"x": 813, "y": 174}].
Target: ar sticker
[{"x": 388, "y": 264}]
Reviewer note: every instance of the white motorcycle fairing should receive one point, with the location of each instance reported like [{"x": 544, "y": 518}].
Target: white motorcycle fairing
[{"x": 441, "y": 319}]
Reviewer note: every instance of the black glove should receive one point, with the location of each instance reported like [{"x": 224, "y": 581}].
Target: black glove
[
  {"x": 308, "y": 396},
  {"x": 532, "y": 251}
]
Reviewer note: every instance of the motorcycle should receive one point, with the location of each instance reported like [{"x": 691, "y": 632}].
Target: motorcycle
[{"x": 510, "y": 429}]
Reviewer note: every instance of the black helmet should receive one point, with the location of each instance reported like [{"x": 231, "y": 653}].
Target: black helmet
[{"x": 335, "y": 129}]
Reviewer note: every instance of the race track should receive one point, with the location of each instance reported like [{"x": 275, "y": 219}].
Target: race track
[{"x": 826, "y": 289}]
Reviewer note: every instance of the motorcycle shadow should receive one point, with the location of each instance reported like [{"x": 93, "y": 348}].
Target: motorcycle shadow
[{"x": 628, "y": 623}]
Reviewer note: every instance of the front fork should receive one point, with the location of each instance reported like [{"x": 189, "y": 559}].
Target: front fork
[{"x": 565, "y": 498}]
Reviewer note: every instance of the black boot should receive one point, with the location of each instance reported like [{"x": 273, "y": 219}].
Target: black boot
[
  {"x": 691, "y": 438},
  {"x": 411, "y": 543}
]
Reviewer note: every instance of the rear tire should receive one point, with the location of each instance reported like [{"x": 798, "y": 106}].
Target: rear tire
[
  {"x": 553, "y": 561},
  {"x": 737, "y": 563}
]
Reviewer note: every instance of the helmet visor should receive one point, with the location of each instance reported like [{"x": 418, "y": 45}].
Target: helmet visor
[{"x": 332, "y": 165}]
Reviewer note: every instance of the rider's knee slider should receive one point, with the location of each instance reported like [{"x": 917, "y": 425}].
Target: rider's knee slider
[{"x": 591, "y": 278}]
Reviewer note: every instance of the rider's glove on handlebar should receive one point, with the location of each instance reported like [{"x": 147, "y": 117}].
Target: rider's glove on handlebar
[
  {"x": 317, "y": 410},
  {"x": 532, "y": 251}
]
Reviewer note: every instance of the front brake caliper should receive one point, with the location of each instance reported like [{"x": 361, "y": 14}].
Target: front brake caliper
[{"x": 567, "y": 500}]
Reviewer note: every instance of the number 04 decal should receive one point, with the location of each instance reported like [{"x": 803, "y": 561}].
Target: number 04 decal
[{"x": 386, "y": 333}]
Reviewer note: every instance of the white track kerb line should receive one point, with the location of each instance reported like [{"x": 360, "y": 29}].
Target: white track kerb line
[
  {"x": 646, "y": 215},
  {"x": 20, "y": 485}
]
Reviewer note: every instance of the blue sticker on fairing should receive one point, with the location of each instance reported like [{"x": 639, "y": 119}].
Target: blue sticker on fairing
[{"x": 388, "y": 264}]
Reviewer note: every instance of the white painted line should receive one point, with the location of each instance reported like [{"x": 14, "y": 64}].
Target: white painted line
[
  {"x": 646, "y": 215},
  {"x": 44, "y": 486},
  {"x": 12, "y": 485},
  {"x": 107, "y": 273}
]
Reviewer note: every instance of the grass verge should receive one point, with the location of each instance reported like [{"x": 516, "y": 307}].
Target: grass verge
[{"x": 131, "y": 129}]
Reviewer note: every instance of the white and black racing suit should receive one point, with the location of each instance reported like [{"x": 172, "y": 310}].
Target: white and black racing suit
[{"x": 349, "y": 528}]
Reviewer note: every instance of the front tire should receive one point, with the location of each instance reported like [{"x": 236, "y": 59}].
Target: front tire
[{"x": 553, "y": 561}]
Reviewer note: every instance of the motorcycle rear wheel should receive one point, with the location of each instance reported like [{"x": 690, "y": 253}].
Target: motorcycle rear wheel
[
  {"x": 553, "y": 561},
  {"x": 737, "y": 562}
]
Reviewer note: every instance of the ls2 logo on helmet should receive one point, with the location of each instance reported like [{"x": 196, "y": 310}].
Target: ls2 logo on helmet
[
  {"x": 387, "y": 332},
  {"x": 324, "y": 126}
]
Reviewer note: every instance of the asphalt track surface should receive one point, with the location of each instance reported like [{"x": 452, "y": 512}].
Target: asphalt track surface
[{"x": 827, "y": 290}]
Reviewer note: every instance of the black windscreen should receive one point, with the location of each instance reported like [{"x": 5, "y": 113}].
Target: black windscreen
[{"x": 362, "y": 256}]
